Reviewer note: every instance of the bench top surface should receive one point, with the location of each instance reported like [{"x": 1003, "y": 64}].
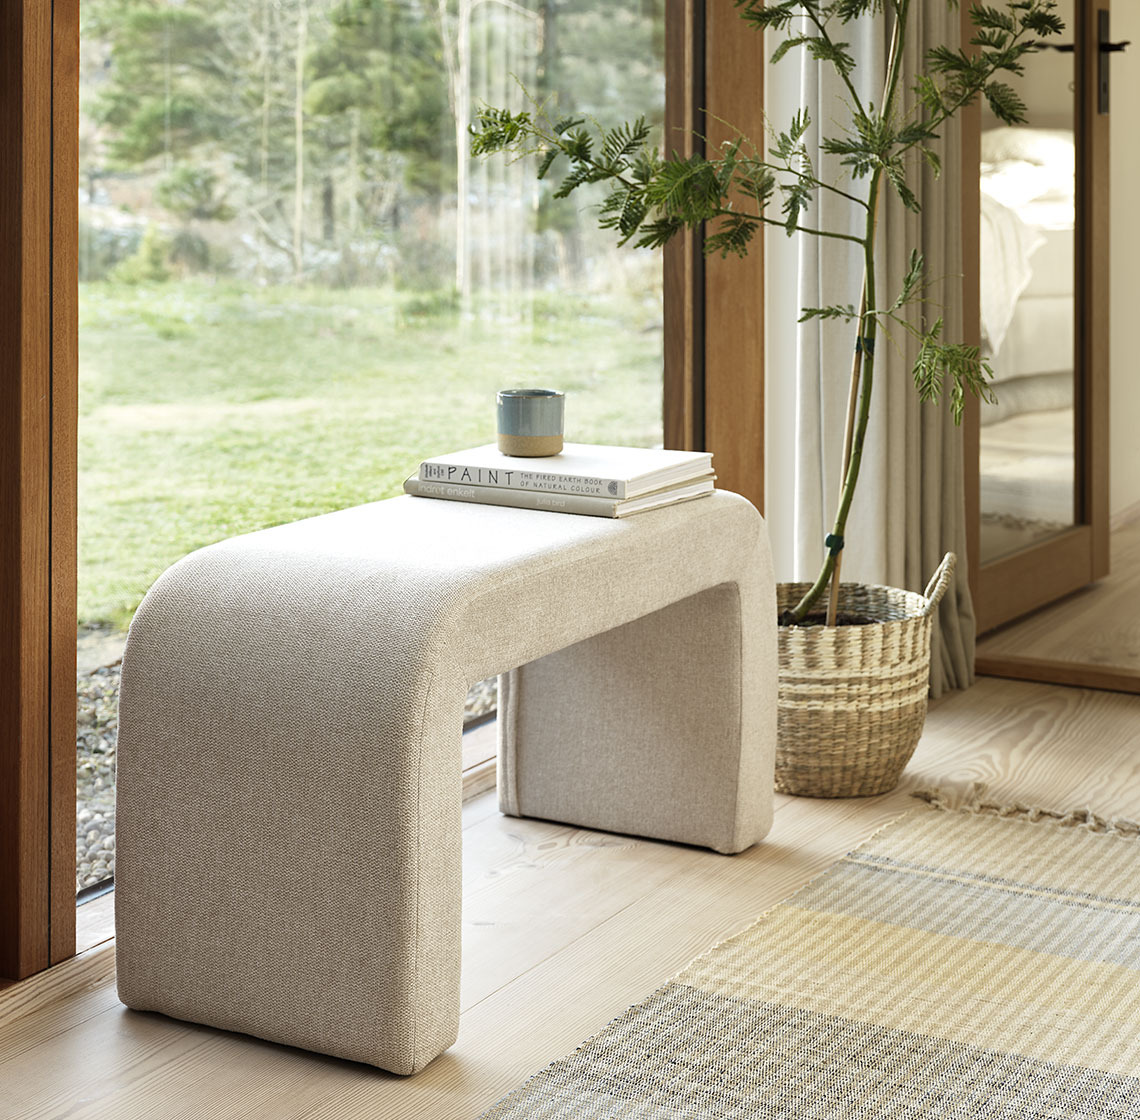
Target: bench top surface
[
  {"x": 486, "y": 587},
  {"x": 430, "y": 535}
]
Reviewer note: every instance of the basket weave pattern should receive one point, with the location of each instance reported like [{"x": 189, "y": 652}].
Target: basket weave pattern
[{"x": 852, "y": 699}]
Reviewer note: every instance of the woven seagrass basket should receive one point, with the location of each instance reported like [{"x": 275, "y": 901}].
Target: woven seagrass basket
[{"x": 853, "y": 698}]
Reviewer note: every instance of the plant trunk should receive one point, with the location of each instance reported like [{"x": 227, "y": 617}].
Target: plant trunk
[{"x": 865, "y": 351}]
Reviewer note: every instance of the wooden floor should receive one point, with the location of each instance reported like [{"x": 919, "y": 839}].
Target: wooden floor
[
  {"x": 563, "y": 929},
  {"x": 1096, "y": 629}
]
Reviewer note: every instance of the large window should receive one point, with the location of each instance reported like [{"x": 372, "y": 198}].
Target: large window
[{"x": 295, "y": 283}]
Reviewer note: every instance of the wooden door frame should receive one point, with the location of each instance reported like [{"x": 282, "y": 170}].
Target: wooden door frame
[
  {"x": 714, "y": 368},
  {"x": 1012, "y": 586},
  {"x": 39, "y": 66}
]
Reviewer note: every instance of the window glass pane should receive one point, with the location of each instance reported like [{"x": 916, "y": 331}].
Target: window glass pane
[{"x": 295, "y": 283}]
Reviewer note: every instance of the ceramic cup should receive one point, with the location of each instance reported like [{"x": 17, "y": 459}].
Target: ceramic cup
[{"x": 530, "y": 421}]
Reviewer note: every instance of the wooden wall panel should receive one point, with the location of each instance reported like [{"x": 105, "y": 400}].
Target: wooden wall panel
[
  {"x": 734, "y": 287},
  {"x": 714, "y": 308}
]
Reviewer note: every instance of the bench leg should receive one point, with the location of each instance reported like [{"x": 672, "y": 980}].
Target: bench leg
[
  {"x": 288, "y": 857},
  {"x": 663, "y": 727}
]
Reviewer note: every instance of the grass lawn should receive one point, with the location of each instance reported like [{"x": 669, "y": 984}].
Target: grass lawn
[{"x": 208, "y": 410}]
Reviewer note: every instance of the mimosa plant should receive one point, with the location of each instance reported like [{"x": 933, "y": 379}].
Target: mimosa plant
[{"x": 652, "y": 197}]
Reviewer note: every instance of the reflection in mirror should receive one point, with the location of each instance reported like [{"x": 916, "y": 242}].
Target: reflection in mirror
[{"x": 1027, "y": 311}]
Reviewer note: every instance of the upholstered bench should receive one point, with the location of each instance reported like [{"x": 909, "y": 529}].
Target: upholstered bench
[{"x": 289, "y": 751}]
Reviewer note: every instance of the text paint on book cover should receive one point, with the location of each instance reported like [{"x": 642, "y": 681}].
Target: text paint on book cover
[{"x": 586, "y": 469}]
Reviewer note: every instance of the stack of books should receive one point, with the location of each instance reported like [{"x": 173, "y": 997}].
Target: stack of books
[{"x": 584, "y": 478}]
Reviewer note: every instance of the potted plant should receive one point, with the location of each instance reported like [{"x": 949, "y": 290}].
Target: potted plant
[{"x": 852, "y": 697}]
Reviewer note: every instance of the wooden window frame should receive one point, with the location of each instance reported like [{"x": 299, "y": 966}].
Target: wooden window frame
[
  {"x": 39, "y": 114},
  {"x": 714, "y": 400},
  {"x": 714, "y": 369}
]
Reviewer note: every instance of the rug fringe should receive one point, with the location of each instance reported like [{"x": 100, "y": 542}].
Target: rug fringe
[{"x": 973, "y": 800}]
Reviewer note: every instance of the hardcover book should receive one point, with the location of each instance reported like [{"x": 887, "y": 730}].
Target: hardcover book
[
  {"x": 589, "y": 505},
  {"x": 591, "y": 470}
]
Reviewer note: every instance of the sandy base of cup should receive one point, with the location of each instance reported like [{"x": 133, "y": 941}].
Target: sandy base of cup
[{"x": 530, "y": 447}]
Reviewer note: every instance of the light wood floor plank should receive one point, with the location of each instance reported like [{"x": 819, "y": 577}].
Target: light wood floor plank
[{"x": 563, "y": 929}]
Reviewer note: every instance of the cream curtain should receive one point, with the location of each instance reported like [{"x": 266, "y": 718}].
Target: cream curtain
[{"x": 910, "y": 505}]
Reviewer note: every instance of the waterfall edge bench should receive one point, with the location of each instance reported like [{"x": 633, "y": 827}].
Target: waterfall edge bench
[{"x": 289, "y": 767}]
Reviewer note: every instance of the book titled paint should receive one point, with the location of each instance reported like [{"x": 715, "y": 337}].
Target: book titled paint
[
  {"x": 554, "y": 502},
  {"x": 591, "y": 470}
]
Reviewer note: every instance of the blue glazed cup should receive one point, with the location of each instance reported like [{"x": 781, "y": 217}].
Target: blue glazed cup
[{"x": 531, "y": 421}]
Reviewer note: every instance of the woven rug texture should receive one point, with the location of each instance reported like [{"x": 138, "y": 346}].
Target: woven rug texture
[{"x": 972, "y": 961}]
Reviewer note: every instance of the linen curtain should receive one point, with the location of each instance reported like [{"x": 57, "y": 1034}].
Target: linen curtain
[{"x": 909, "y": 508}]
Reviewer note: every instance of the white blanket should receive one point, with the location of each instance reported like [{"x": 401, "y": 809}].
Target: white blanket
[{"x": 1007, "y": 245}]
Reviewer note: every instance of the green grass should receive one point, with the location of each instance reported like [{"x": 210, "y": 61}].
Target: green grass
[{"x": 209, "y": 410}]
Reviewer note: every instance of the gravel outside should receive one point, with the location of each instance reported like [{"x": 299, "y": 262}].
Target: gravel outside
[{"x": 97, "y": 734}]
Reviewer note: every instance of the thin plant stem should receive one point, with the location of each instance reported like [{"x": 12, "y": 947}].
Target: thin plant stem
[{"x": 848, "y": 436}]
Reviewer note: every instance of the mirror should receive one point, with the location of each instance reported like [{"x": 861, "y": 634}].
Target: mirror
[{"x": 1027, "y": 445}]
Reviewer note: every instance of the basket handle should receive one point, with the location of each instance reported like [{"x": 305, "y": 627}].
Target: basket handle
[{"x": 939, "y": 582}]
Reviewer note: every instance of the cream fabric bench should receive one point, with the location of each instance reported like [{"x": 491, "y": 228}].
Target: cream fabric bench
[{"x": 289, "y": 777}]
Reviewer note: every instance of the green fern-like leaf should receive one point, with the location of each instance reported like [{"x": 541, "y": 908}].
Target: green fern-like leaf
[
  {"x": 897, "y": 177},
  {"x": 943, "y": 60},
  {"x": 912, "y": 283},
  {"x": 687, "y": 189},
  {"x": 992, "y": 40},
  {"x": 797, "y": 197},
  {"x": 659, "y": 232},
  {"x": 1005, "y": 103},
  {"x": 824, "y": 50},
  {"x": 733, "y": 235},
  {"x": 496, "y": 130},
  {"x": 763, "y": 16},
  {"x": 547, "y": 161},
  {"x": 982, "y": 15},
  {"x": 755, "y": 181},
  {"x": 788, "y": 44},
  {"x": 846, "y": 312},
  {"x": 579, "y": 145},
  {"x": 623, "y": 141},
  {"x": 1043, "y": 22},
  {"x": 933, "y": 160},
  {"x": 914, "y": 133},
  {"x": 853, "y": 154},
  {"x": 962, "y": 366},
  {"x": 847, "y": 10},
  {"x": 928, "y": 93}
]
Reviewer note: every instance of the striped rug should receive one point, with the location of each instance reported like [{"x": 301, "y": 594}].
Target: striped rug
[{"x": 974, "y": 962}]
